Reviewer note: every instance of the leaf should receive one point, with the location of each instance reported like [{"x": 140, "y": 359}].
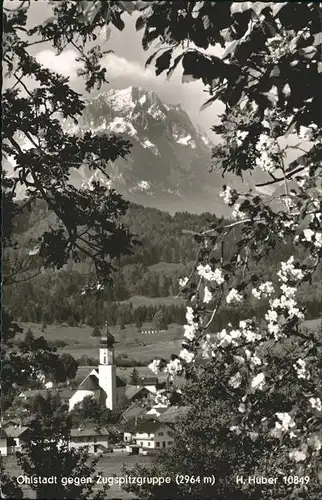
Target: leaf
[
  {"x": 117, "y": 21},
  {"x": 308, "y": 52},
  {"x": 163, "y": 62},
  {"x": 128, "y": 7},
  {"x": 174, "y": 65},
  {"x": 206, "y": 22},
  {"x": 105, "y": 33},
  {"x": 277, "y": 7},
  {"x": 275, "y": 72},
  {"x": 240, "y": 7},
  {"x": 150, "y": 58},
  {"x": 211, "y": 100},
  {"x": 140, "y": 23},
  {"x": 188, "y": 78}
]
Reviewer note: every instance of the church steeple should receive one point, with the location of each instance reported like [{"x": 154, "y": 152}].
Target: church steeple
[
  {"x": 107, "y": 369},
  {"x": 107, "y": 348}
]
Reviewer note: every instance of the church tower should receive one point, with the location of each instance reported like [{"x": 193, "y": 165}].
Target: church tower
[{"x": 107, "y": 369}]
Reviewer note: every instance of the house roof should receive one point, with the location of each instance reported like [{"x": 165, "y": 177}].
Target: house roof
[
  {"x": 133, "y": 390},
  {"x": 89, "y": 432},
  {"x": 149, "y": 380},
  {"x": 148, "y": 427},
  {"x": 173, "y": 413},
  {"x": 7, "y": 423},
  {"x": 32, "y": 393},
  {"x": 157, "y": 409},
  {"x": 3, "y": 433},
  {"x": 15, "y": 432},
  {"x": 66, "y": 393},
  {"x": 134, "y": 411}
]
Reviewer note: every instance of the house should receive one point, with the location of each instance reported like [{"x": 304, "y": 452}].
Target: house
[
  {"x": 102, "y": 383},
  {"x": 128, "y": 430},
  {"x": 135, "y": 393},
  {"x": 65, "y": 395},
  {"x": 156, "y": 411},
  {"x": 173, "y": 413},
  {"x": 29, "y": 394},
  {"x": 18, "y": 434},
  {"x": 152, "y": 434},
  {"x": 96, "y": 439},
  {"x": 3, "y": 442},
  {"x": 151, "y": 383}
]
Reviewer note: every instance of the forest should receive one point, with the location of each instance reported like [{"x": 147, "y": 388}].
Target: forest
[{"x": 165, "y": 253}]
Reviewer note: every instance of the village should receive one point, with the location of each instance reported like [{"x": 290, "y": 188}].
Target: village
[{"x": 144, "y": 422}]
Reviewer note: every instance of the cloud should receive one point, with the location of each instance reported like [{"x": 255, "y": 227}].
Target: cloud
[
  {"x": 64, "y": 64},
  {"x": 119, "y": 67}
]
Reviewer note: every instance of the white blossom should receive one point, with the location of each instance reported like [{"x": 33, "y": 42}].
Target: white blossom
[
  {"x": 300, "y": 368},
  {"x": 226, "y": 195},
  {"x": 242, "y": 408},
  {"x": 289, "y": 291},
  {"x": 235, "y": 380},
  {"x": 155, "y": 366},
  {"x": 316, "y": 403},
  {"x": 236, "y": 429},
  {"x": 264, "y": 290},
  {"x": 190, "y": 331},
  {"x": 208, "y": 274},
  {"x": 297, "y": 455},
  {"x": 186, "y": 355},
  {"x": 207, "y": 295},
  {"x": 233, "y": 296},
  {"x": 173, "y": 367},
  {"x": 308, "y": 234},
  {"x": 190, "y": 316},
  {"x": 285, "y": 424},
  {"x": 255, "y": 360},
  {"x": 237, "y": 213},
  {"x": 258, "y": 382},
  {"x": 288, "y": 270},
  {"x": 183, "y": 281},
  {"x": 240, "y": 137},
  {"x": 206, "y": 347},
  {"x": 224, "y": 338},
  {"x": 318, "y": 240}
]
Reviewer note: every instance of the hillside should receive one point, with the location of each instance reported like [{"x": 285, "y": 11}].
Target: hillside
[{"x": 142, "y": 283}]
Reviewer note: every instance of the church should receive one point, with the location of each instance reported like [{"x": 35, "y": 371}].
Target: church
[{"x": 102, "y": 383}]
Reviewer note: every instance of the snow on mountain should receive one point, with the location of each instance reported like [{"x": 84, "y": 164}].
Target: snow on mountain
[
  {"x": 120, "y": 126},
  {"x": 168, "y": 166}
]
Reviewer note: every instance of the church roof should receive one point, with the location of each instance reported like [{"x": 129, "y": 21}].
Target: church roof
[
  {"x": 108, "y": 340},
  {"x": 120, "y": 382},
  {"x": 90, "y": 383}
]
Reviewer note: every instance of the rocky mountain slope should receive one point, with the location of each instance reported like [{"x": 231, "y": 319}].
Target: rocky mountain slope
[{"x": 169, "y": 160}]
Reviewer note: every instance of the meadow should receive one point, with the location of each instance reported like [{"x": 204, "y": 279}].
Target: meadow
[{"x": 129, "y": 342}]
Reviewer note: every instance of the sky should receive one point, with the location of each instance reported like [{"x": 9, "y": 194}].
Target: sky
[{"x": 126, "y": 66}]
